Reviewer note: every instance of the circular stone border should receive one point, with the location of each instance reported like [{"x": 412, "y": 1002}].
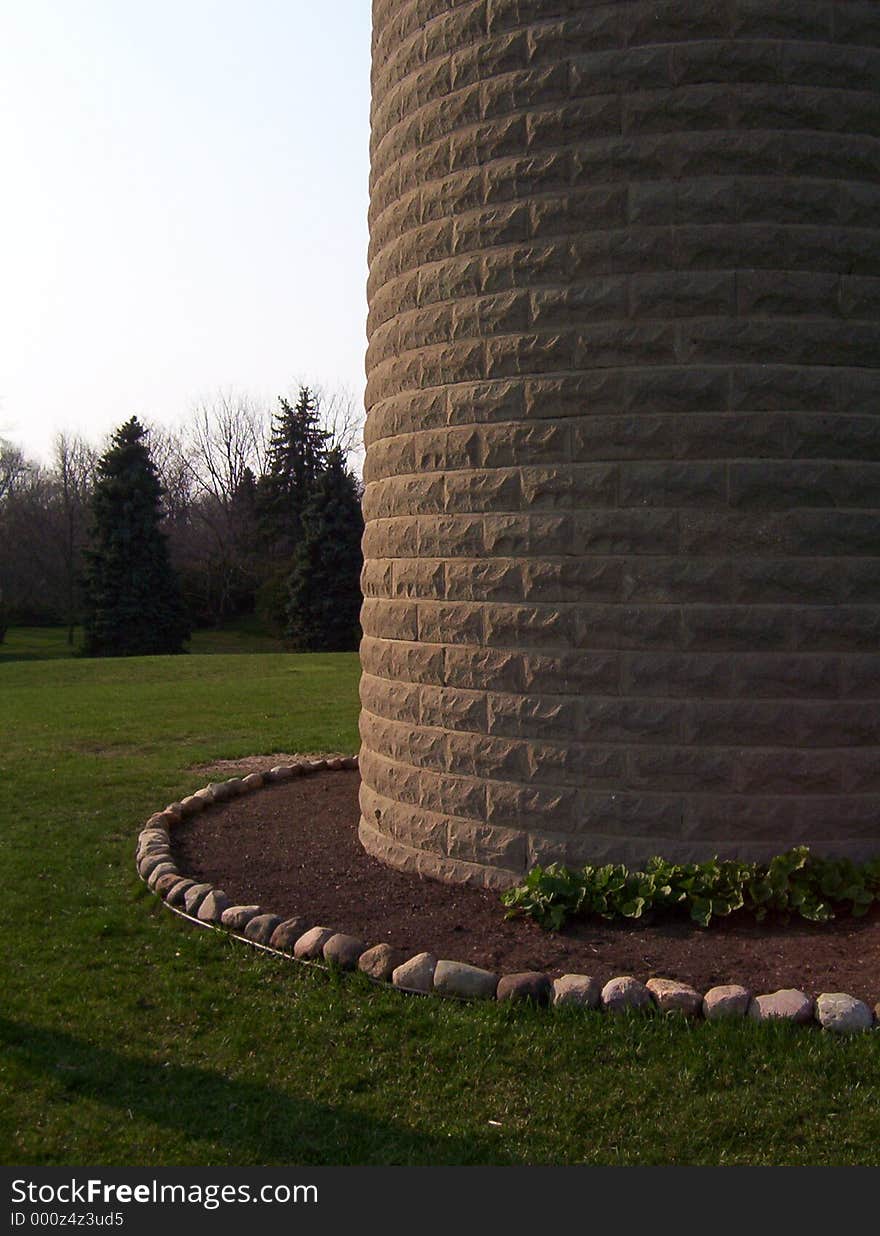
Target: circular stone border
[{"x": 299, "y": 939}]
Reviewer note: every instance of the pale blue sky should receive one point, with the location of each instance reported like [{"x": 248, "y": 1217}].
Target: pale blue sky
[{"x": 183, "y": 205}]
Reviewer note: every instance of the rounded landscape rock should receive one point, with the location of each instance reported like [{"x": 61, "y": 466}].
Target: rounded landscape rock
[
  {"x": 162, "y": 869},
  {"x": 531, "y": 985},
  {"x": 456, "y": 978},
  {"x": 626, "y": 993},
  {"x": 727, "y": 1000},
  {"x": 236, "y": 918},
  {"x": 843, "y": 1014},
  {"x": 162, "y": 820},
  {"x": 192, "y": 804},
  {"x": 253, "y": 781},
  {"x": 788, "y": 1004},
  {"x": 286, "y": 934},
  {"x": 579, "y": 990},
  {"x": 671, "y": 996},
  {"x": 211, "y": 909},
  {"x": 166, "y": 882},
  {"x": 177, "y": 894},
  {"x": 153, "y": 834},
  {"x": 195, "y": 895},
  {"x": 380, "y": 961},
  {"x": 260, "y": 927},
  {"x": 151, "y": 861},
  {"x": 344, "y": 951},
  {"x": 310, "y": 945},
  {"x": 416, "y": 974},
  {"x": 153, "y": 849}
]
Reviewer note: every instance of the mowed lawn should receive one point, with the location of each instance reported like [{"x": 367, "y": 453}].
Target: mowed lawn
[{"x": 129, "y": 1038}]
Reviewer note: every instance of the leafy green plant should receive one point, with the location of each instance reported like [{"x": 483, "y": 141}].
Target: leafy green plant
[{"x": 794, "y": 883}]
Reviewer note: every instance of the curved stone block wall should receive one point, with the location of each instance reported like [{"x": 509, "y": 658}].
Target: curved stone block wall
[{"x": 622, "y": 483}]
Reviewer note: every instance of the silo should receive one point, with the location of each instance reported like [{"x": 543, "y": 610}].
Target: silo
[{"x": 622, "y": 577}]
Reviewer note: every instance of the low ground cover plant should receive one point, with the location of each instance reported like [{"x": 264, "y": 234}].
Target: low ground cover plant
[{"x": 796, "y": 883}]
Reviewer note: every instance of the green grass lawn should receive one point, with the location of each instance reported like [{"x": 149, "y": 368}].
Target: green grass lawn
[
  {"x": 130, "y": 1038},
  {"x": 45, "y": 643}
]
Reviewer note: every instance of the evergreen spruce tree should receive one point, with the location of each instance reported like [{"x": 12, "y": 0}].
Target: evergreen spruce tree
[
  {"x": 133, "y": 605},
  {"x": 297, "y": 454},
  {"x": 324, "y": 590}
]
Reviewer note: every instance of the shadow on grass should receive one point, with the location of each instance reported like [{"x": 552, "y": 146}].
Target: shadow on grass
[{"x": 253, "y": 1120}]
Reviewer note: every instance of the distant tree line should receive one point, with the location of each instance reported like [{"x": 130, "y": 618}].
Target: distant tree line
[{"x": 245, "y": 512}]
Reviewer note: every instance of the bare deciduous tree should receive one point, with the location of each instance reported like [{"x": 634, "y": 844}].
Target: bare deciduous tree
[
  {"x": 226, "y": 437},
  {"x": 13, "y": 467},
  {"x": 341, "y": 414},
  {"x": 74, "y": 463}
]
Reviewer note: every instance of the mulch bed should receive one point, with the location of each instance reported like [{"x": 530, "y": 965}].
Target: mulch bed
[{"x": 293, "y": 849}]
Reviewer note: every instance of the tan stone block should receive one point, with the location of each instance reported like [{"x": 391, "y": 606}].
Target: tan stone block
[
  {"x": 449, "y": 870},
  {"x": 417, "y": 662},
  {"x": 459, "y": 276},
  {"x": 401, "y": 660},
  {"x": 392, "y": 538},
  {"x": 398, "y": 701},
  {"x": 575, "y": 394},
  {"x": 420, "y": 746},
  {"x": 572, "y": 849},
  {"x": 453, "y": 708},
  {"x": 478, "y": 756},
  {"x": 432, "y": 450},
  {"x": 482, "y": 491},
  {"x": 376, "y": 577},
  {"x": 389, "y": 457},
  {"x": 392, "y": 779},
  {"x": 493, "y": 579},
  {"x": 572, "y": 579},
  {"x": 375, "y": 657},
  {"x": 403, "y": 495},
  {"x": 532, "y": 716},
  {"x": 414, "y": 826},
  {"x": 527, "y": 626},
  {"x": 460, "y": 623},
  {"x": 520, "y": 535},
  {"x": 527, "y": 807},
  {"x": 480, "y": 402},
  {"x": 539, "y": 442},
  {"x": 418, "y": 577},
  {"x": 390, "y": 619},
  {"x": 571, "y": 763},
  {"x": 454, "y": 536},
  {"x": 479, "y": 668},
  {"x": 448, "y": 795},
  {"x": 546, "y": 489},
  {"x": 484, "y": 843}
]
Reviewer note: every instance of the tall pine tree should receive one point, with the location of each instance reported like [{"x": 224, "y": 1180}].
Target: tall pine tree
[
  {"x": 133, "y": 605},
  {"x": 324, "y": 590},
  {"x": 297, "y": 454}
]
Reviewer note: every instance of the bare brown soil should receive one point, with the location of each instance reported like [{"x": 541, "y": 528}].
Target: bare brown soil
[{"x": 293, "y": 849}]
